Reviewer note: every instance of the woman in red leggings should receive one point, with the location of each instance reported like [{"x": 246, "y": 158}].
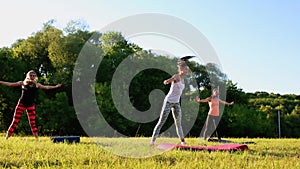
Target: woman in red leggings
[{"x": 26, "y": 101}]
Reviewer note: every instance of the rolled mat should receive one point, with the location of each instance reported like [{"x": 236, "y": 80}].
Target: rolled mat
[{"x": 67, "y": 139}]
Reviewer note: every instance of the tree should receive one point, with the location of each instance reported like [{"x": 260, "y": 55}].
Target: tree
[
  {"x": 12, "y": 70},
  {"x": 236, "y": 94},
  {"x": 53, "y": 53},
  {"x": 115, "y": 49},
  {"x": 56, "y": 117}
]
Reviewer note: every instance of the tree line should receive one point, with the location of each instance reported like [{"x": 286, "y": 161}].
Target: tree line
[{"x": 53, "y": 53}]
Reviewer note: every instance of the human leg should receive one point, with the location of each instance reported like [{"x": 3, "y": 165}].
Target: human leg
[
  {"x": 177, "y": 115},
  {"x": 31, "y": 114},
  {"x": 19, "y": 110},
  {"x": 208, "y": 127},
  {"x": 162, "y": 119},
  {"x": 216, "y": 120}
]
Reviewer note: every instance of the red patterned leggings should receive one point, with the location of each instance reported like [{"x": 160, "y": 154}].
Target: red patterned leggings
[{"x": 31, "y": 114}]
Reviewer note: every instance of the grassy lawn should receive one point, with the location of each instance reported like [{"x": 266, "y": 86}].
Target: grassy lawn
[{"x": 27, "y": 152}]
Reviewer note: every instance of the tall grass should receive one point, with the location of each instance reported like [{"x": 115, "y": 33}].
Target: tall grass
[{"x": 26, "y": 152}]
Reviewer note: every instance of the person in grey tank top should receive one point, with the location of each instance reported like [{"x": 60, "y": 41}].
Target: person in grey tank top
[{"x": 171, "y": 102}]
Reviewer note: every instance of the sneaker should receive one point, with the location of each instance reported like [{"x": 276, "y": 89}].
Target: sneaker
[
  {"x": 151, "y": 143},
  {"x": 6, "y": 137},
  {"x": 183, "y": 143},
  {"x": 211, "y": 140}
]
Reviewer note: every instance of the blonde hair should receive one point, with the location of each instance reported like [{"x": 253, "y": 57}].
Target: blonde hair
[{"x": 28, "y": 80}]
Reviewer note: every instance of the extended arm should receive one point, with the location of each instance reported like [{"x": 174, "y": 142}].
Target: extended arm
[
  {"x": 11, "y": 84},
  {"x": 172, "y": 79},
  {"x": 226, "y": 103},
  {"x": 201, "y": 101},
  {"x": 47, "y": 87}
]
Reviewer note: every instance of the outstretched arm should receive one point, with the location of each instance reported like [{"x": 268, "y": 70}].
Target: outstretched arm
[
  {"x": 226, "y": 103},
  {"x": 11, "y": 84},
  {"x": 201, "y": 101},
  {"x": 48, "y": 87},
  {"x": 174, "y": 78}
]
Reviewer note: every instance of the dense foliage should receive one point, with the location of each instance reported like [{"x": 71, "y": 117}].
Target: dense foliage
[{"x": 52, "y": 53}]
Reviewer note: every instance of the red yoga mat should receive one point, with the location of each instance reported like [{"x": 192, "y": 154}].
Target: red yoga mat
[{"x": 223, "y": 147}]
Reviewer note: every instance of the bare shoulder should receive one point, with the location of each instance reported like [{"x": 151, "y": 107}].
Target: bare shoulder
[
  {"x": 19, "y": 83},
  {"x": 38, "y": 85},
  {"x": 209, "y": 99},
  {"x": 176, "y": 77}
]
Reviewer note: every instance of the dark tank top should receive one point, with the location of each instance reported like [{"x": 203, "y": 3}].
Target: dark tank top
[{"x": 28, "y": 94}]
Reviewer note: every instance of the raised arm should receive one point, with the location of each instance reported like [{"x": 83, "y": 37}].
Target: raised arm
[
  {"x": 47, "y": 87},
  {"x": 11, "y": 84}
]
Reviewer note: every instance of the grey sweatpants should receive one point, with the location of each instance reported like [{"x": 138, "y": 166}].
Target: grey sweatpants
[{"x": 176, "y": 112}]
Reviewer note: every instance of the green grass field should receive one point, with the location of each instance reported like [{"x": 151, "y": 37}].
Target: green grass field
[{"x": 27, "y": 152}]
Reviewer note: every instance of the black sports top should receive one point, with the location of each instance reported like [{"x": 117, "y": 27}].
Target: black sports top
[{"x": 28, "y": 94}]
